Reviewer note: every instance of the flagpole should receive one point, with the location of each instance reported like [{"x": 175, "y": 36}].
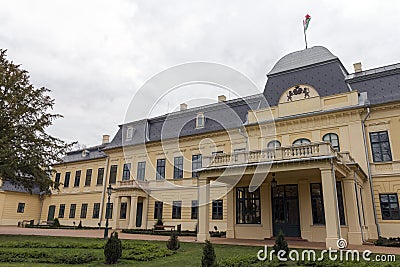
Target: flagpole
[{"x": 305, "y": 36}]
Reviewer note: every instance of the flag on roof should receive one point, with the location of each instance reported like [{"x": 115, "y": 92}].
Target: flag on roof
[{"x": 306, "y": 21}]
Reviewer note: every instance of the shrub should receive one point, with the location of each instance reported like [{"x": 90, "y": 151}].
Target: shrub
[
  {"x": 56, "y": 223},
  {"x": 280, "y": 243},
  {"x": 113, "y": 249},
  {"x": 173, "y": 242},
  {"x": 209, "y": 259},
  {"x": 80, "y": 225},
  {"x": 239, "y": 261}
]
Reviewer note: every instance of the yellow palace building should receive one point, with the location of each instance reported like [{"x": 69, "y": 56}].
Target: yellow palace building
[{"x": 320, "y": 162}]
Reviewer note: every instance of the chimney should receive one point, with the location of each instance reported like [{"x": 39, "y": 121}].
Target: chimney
[
  {"x": 221, "y": 98},
  {"x": 357, "y": 67},
  {"x": 106, "y": 139},
  {"x": 184, "y": 106}
]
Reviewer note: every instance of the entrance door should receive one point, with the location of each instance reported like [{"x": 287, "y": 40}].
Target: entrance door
[
  {"x": 139, "y": 212},
  {"x": 285, "y": 210},
  {"x": 50, "y": 214}
]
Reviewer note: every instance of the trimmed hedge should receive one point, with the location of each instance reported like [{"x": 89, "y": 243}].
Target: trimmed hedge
[
  {"x": 168, "y": 233},
  {"x": 388, "y": 242},
  {"x": 46, "y": 257}
]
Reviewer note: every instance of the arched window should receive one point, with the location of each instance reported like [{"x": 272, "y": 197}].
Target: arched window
[
  {"x": 273, "y": 144},
  {"x": 333, "y": 139},
  {"x": 301, "y": 141}
]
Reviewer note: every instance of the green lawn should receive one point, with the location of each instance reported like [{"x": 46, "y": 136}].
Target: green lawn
[{"x": 37, "y": 250}]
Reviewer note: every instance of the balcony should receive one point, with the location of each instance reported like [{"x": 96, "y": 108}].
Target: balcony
[
  {"x": 295, "y": 152},
  {"x": 131, "y": 184}
]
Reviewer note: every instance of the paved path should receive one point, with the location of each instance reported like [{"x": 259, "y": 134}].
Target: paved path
[{"x": 12, "y": 230}]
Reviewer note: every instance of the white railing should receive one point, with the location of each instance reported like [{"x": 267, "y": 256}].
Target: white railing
[
  {"x": 131, "y": 184},
  {"x": 310, "y": 150}
]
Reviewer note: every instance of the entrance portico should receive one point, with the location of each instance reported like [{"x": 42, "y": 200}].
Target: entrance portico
[
  {"x": 129, "y": 206},
  {"x": 310, "y": 192}
]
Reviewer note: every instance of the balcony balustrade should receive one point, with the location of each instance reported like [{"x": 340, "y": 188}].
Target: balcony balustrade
[{"x": 303, "y": 151}]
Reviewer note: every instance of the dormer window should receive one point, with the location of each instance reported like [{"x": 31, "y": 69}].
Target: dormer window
[
  {"x": 129, "y": 133},
  {"x": 85, "y": 153},
  {"x": 200, "y": 120}
]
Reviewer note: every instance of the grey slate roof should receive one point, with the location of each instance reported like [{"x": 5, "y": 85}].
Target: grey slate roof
[
  {"x": 95, "y": 152},
  {"x": 315, "y": 66},
  {"x": 381, "y": 84},
  {"x": 218, "y": 116},
  {"x": 299, "y": 59},
  {"x": 8, "y": 186}
]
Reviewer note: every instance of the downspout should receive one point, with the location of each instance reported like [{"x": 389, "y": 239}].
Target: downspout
[
  {"x": 369, "y": 169},
  {"x": 41, "y": 196},
  {"x": 337, "y": 204},
  {"x": 103, "y": 193},
  {"x": 358, "y": 207}
]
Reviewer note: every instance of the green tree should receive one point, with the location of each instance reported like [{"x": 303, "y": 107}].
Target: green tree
[
  {"x": 113, "y": 249},
  {"x": 26, "y": 150},
  {"x": 209, "y": 258},
  {"x": 173, "y": 242},
  {"x": 281, "y": 243}
]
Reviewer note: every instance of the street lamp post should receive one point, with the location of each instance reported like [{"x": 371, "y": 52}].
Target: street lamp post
[{"x": 109, "y": 192}]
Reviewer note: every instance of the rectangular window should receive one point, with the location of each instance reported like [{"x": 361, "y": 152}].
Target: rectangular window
[
  {"x": 72, "y": 210},
  {"x": 122, "y": 213},
  {"x": 195, "y": 210},
  {"x": 88, "y": 179},
  {"x": 200, "y": 120},
  {"x": 109, "y": 210},
  {"x": 196, "y": 164},
  {"x": 100, "y": 176},
  {"x": 158, "y": 210},
  {"x": 141, "y": 170},
  {"x": 389, "y": 206},
  {"x": 84, "y": 210},
  {"x": 160, "y": 169},
  {"x": 380, "y": 146},
  {"x": 67, "y": 178},
  {"x": 58, "y": 178},
  {"x": 248, "y": 210},
  {"x": 339, "y": 192},
  {"x": 61, "y": 211},
  {"x": 113, "y": 174},
  {"x": 217, "y": 209},
  {"x": 178, "y": 167},
  {"x": 77, "y": 178},
  {"x": 317, "y": 203},
  {"x": 96, "y": 210},
  {"x": 176, "y": 209},
  {"x": 126, "y": 173},
  {"x": 21, "y": 207}
]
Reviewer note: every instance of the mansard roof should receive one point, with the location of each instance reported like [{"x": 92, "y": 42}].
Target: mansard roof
[
  {"x": 301, "y": 59},
  {"x": 315, "y": 66}
]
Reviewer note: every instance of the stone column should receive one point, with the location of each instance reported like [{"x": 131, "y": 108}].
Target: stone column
[
  {"x": 266, "y": 209},
  {"x": 132, "y": 213},
  {"x": 330, "y": 204},
  {"x": 230, "y": 220},
  {"x": 204, "y": 210},
  {"x": 144, "y": 213},
  {"x": 305, "y": 209},
  {"x": 352, "y": 211},
  {"x": 116, "y": 211}
]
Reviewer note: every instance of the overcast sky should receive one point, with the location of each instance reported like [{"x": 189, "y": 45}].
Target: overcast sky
[{"x": 94, "y": 55}]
